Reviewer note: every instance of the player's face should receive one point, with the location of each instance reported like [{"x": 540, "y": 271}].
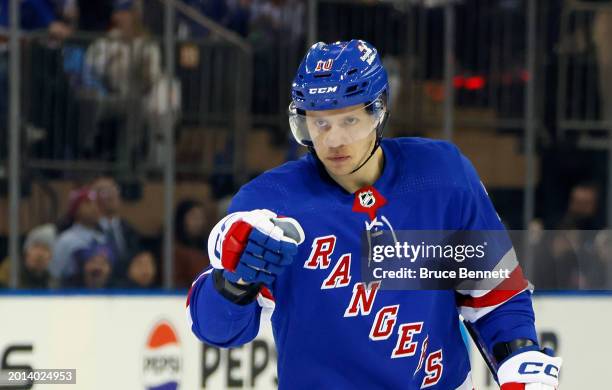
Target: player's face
[{"x": 342, "y": 138}]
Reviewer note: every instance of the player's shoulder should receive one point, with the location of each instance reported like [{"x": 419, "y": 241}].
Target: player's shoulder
[
  {"x": 288, "y": 174},
  {"x": 425, "y": 147},
  {"x": 430, "y": 160},
  {"x": 276, "y": 188}
]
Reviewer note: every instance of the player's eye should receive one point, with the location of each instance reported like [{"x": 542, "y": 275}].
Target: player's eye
[
  {"x": 351, "y": 120},
  {"x": 321, "y": 123}
]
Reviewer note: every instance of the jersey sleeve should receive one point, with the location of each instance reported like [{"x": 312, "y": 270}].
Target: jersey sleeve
[
  {"x": 211, "y": 317},
  {"x": 217, "y": 321},
  {"x": 501, "y": 310}
]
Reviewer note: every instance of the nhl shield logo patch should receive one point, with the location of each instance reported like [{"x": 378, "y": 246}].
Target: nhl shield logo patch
[{"x": 367, "y": 199}]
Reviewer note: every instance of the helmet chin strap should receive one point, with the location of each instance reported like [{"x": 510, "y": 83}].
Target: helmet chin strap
[
  {"x": 379, "y": 131},
  {"x": 376, "y": 144}
]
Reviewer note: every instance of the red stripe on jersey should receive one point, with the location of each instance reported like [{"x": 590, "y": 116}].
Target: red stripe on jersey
[
  {"x": 266, "y": 293},
  {"x": 513, "y": 386},
  {"x": 500, "y": 294}
]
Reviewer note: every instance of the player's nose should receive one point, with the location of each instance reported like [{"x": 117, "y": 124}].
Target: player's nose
[{"x": 336, "y": 137}]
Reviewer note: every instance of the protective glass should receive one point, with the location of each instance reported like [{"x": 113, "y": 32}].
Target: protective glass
[{"x": 333, "y": 128}]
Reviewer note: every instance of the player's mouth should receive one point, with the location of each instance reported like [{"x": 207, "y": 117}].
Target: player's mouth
[{"x": 338, "y": 159}]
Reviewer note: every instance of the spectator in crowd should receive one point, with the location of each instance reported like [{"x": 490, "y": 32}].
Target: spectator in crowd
[
  {"x": 602, "y": 31},
  {"x": 122, "y": 76},
  {"x": 35, "y": 15},
  {"x": 38, "y": 249},
  {"x": 94, "y": 267},
  {"x": 190, "y": 255},
  {"x": 126, "y": 58},
  {"x": 565, "y": 258},
  {"x": 4, "y": 102},
  {"x": 600, "y": 277},
  {"x": 234, "y": 15},
  {"x": 142, "y": 271},
  {"x": 120, "y": 235},
  {"x": 582, "y": 209},
  {"x": 556, "y": 263},
  {"x": 37, "y": 252},
  {"x": 264, "y": 35},
  {"x": 276, "y": 20},
  {"x": 84, "y": 211},
  {"x": 276, "y": 33}
]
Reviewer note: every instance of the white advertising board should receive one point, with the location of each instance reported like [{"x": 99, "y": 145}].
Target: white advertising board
[
  {"x": 143, "y": 342},
  {"x": 125, "y": 342},
  {"x": 577, "y": 328}
]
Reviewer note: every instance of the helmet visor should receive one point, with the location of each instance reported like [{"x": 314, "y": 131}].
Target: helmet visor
[{"x": 334, "y": 128}]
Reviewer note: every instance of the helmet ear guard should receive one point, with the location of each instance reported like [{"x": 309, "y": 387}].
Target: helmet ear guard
[
  {"x": 378, "y": 104},
  {"x": 379, "y": 107}
]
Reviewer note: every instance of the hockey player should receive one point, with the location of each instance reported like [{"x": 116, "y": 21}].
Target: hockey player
[{"x": 291, "y": 244}]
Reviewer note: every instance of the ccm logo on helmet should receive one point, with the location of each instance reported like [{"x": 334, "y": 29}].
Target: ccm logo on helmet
[
  {"x": 528, "y": 368},
  {"x": 314, "y": 91}
]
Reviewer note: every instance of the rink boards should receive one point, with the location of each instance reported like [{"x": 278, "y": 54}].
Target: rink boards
[{"x": 143, "y": 341}]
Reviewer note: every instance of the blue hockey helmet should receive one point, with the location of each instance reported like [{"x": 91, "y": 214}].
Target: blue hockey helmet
[{"x": 338, "y": 75}]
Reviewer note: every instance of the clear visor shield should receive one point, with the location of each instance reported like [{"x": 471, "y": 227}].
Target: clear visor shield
[{"x": 334, "y": 128}]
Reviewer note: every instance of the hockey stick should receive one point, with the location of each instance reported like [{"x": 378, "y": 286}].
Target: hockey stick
[{"x": 481, "y": 348}]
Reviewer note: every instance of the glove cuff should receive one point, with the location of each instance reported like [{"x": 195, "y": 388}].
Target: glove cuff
[
  {"x": 236, "y": 293},
  {"x": 504, "y": 350}
]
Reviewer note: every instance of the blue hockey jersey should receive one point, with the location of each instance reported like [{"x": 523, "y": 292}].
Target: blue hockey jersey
[{"x": 333, "y": 331}]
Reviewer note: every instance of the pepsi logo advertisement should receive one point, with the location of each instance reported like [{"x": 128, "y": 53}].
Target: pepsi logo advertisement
[{"x": 162, "y": 363}]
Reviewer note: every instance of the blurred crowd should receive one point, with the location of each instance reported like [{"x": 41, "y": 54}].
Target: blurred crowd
[
  {"x": 93, "y": 246},
  {"x": 62, "y": 17},
  {"x": 101, "y": 62},
  {"x": 98, "y": 90},
  {"x": 577, "y": 253}
]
